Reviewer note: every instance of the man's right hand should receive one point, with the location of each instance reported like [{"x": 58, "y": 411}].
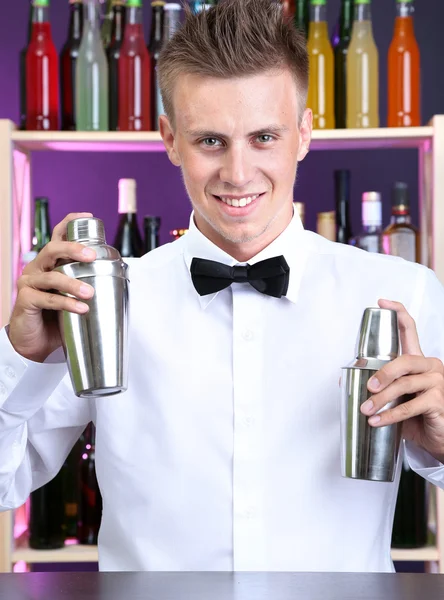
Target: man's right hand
[{"x": 33, "y": 329}]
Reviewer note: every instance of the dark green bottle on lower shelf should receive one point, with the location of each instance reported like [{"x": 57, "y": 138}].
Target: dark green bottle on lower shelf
[
  {"x": 411, "y": 514},
  {"x": 46, "y": 522}
]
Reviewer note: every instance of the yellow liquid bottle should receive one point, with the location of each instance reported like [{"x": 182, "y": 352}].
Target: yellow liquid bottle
[
  {"x": 362, "y": 71},
  {"x": 321, "y": 89}
]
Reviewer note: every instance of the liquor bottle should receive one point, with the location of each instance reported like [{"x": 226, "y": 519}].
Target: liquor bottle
[
  {"x": 411, "y": 515},
  {"x": 288, "y": 8},
  {"x": 404, "y": 77},
  {"x": 71, "y": 491},
  {"x": 172, "y": 12},
  {"x": 198, "y": 5},
  {"x": 362, "y": 71},
  {"x": 42, "y": 76},
  {"x": 401, "y": 237},
  {"x": 155, "y": 46},
  {"x": 90, "y": 509},
  {"x": 113, "y": 54},
  {"x": 340, "y": 52},
  {"x": 22, "y": 65},
  {"x": 302, "y": 15},
  {"x": 128, "y": 240},
  {"x": 42, "y": 231},
  {"x": 134, "y": 73},
  {"x": 68, "y": 61},
  {"x": 342, "y": 195},
  {"x": 107, "y": 25},
  {"x": 92, "y": 74},
  {"x": 321, "y": 81},
  {"x": 299, "y": 209},
  {"x": 46, "y": 516},
  {"x": 151, "y": 227},
  {"x": 370, "y": 238},
  {"x": 326, "y": 225}
]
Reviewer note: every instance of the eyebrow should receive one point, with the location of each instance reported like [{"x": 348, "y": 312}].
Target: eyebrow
[{"x": 263, "y": 130}]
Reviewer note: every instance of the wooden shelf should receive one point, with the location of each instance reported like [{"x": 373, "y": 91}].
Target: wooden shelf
[
  {"x": 150, "y": 141},
  {"x": 72, "y": 553},
  {"x": 429, "y": 553}
]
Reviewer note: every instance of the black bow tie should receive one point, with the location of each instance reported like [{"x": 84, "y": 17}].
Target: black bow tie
[{"x": 268, "y": 276}]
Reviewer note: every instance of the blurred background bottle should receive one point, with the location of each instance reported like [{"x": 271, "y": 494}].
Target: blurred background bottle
[
  {"x": 68, "y": 63},
  {"x": 321, "y": 80},
  {"x": 22, "y": 66},
  {"x": 326, "y": 225},
  {"x": 155, "y": 46},
  {"x": 362, "y": 71},
  {"x": 404, "y": 78},
  {"x": 113, "y": 55},
  {"x": 340, "y": 56},
  {"x": 370, "y": 237},
  {"x": 92, "y": 74},
  {"x": 302, "y": 15},
  {"x": 42, "y": 73},
  {"x": 342, "y": 201},
  {"x": 128, "y": 240},
  {"x": 401, "y": 238},
  {"x": 299, "y": 208},
  {"x": 151, "y": 227},
  {"x": 90, "y": 509}
]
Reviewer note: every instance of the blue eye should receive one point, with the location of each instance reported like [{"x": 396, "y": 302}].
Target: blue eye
[
  {"x": 210, "y": 142},
  {"x": 269, "y": 138}
]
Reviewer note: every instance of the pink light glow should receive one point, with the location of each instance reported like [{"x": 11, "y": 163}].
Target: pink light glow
[{"x": 21, "y": 567}]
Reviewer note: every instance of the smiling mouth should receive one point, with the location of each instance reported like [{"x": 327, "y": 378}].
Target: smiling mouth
[{"x": 239, "y": 202}]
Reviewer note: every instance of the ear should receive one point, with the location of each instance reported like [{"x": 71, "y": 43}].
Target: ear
[
  {"x": 305, "y": 133},
  {"x": 167, "y": 133}
]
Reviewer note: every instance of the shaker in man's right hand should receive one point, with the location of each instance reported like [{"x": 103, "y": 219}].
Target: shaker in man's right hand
[{"x": 33, "y": 329}]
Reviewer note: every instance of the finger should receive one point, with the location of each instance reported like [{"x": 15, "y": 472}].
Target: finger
[
  {"x": 56, "y": 281},
  {"x": 407, "y": 327},
  {"x": 401, "y": 366},
  {"x": 408, "y": 385},
  {"x": 32, "y": 300},
  {"x": 59, "y": 231},
  {"x": 427, "y": 403},
  {"x": 47, "y": 258}
]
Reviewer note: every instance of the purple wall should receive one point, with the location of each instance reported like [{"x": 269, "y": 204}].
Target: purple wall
[{"x": 79, "y": 181}]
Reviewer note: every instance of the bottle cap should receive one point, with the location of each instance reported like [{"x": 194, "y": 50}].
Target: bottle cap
[
  {"x": 400, "y": 194},
  {"x": 318, "y": 2},
  {"x": 362, "y": 1},
  {"x": 172, "y": 6},
  {"x": 86, "y": 231},
  {"x": 371, "y": 209},
  {"x": 151, "y": 222},
  {"x": 127, "y": 196},
  {"x": 134, "y": 3},
  {"x": 43, "y": 3}
]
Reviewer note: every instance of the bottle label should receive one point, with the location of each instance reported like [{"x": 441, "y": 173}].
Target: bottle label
[{"x": 402, "y": 244}]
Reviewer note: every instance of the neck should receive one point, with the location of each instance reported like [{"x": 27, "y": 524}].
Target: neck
[
  {"x": 363, "y": 12},
  {"x": 134, "y": 15},
  {"x": 243, "y": 251}
]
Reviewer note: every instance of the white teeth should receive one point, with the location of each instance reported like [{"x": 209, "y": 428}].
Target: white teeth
[{"x": 239, "y": 202}]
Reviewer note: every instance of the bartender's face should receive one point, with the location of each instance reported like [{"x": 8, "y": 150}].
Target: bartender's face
[{"x": 238, "y": 143}]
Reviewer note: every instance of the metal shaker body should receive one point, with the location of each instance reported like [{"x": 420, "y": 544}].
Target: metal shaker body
[
  {"x": 95, "y": 343},
  {"x": 367, "y": 452}
]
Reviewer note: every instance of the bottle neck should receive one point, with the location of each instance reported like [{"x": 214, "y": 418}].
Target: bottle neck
[
  {"x": 404, "y": 19},
  {"x": 171, "y": 23},
  {"x": 404, "y": 9},
  {"x": 30, "y": 21},
  {"x": 318, "y": 14},
  {"x": 371, "y": 228},
  {"x": 400, "y": 214},
  {"x": 134, "y": 15},
  {"x": 76, "y": 21},
  {"x": 92, "y": 14},
  {"x": 40, "y": 14},
  {"x": 156, "y": 25},
  {"x": 362, "y": 13},
  {"x": 346, "y": 19},
  {"x": 41, "y": 226},
  {"x": 118, "y": 20}
]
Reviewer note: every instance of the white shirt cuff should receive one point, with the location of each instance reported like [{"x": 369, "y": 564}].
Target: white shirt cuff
[{"x": 424, "y": 464}]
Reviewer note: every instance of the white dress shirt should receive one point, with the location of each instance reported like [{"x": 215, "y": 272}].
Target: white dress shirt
[{"x": 224, "y": 453}]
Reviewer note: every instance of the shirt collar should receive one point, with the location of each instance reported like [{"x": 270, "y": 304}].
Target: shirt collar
[{"x": 291, "y": 243}]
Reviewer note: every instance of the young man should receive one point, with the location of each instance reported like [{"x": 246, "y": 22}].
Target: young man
[{"x": 224, "y": 453}]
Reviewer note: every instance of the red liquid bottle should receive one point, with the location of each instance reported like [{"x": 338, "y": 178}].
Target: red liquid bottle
[
  {"x": 134, "y": 73},
  {"x": 42, "y": 77}
]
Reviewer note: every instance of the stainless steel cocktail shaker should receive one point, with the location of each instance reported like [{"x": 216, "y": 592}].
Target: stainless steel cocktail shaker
[
  {"x": 368, "y": 452},
  {"x": 95, "y": 343}
]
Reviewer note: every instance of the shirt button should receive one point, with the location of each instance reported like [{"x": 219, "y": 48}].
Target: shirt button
[
  {"x": 248, "y": 335},
  {"x": 248, "y": 421},
  {"x": 2, "y": 389},
  {"x": 10, "y": 372}
]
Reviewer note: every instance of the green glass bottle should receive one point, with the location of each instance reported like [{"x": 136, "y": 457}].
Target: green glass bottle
[
  {"x": 92, "y": 74},
  {"x": 340, "y": 51},
  {"x": 42, "y": 230},
  {"x": 302, "y": 15}
]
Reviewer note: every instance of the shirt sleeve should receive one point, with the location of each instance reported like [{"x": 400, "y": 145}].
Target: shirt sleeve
[
  {"x": 40, "y": 421},
  {"x": 430, "y": 325}
]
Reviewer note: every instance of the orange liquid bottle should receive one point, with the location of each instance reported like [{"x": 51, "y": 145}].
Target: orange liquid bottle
[{"x": 404, "y": 71}]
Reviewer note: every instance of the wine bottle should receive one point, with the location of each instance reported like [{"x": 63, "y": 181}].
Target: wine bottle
[
  {"x": 370, "y": 238},
  {"x": 155, "y": 46},
  {"x": 340, "y": 53},
  {"x": 42, "y": 76},
  {"x": 42, "y": 232},
  {"x": 107, "y": 25},
  {"x": 46, "y": 517},
  {"x": 401, "y": 238},
  {"x": 128, "y": 240},
  {"x": 92, "y": 74},
  {"x": 90, "y": 510},
  {"x": 302, "y": 16},
  {"x": 151, "y": 227},
  {"x": 68, "y": 61},
  {"x": 411, "y": 515},
  {"x": 22, "y": 62},
  {"x": 113, "y": 54},
  {"x": 342, "y": 195},
  {"x": 71, "y": 491},
  {"x": 134, "y": 73},
  {"x": 326, "y": 225}
]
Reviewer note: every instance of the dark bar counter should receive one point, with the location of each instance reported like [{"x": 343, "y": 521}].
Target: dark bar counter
[{"x": 220, "y": 586}]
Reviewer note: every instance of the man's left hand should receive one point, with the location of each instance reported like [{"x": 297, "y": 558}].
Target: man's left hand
[{"x": 412, "y": 374}]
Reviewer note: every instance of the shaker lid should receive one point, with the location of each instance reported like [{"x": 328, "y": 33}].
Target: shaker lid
[{"x": 86, "y": 230}]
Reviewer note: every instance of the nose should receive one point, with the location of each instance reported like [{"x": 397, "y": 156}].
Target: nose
[{"x": 237, "y": 168}]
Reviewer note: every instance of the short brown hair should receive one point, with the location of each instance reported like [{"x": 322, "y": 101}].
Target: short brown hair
[{"x": 235, "y": 38}]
